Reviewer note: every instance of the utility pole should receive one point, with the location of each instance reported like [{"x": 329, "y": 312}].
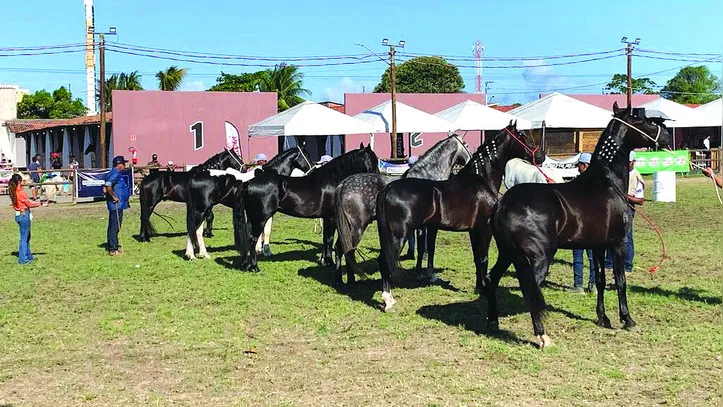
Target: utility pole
[
  {"x": 101, "y": 56},
  {"x": 629, "y": 53},
  {"x": 89, "y": 58},
  {"x": 393, "y": 86},
  {"x": 487, "y": 88}
]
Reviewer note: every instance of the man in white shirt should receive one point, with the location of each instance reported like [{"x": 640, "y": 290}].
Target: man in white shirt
[{"x": 636, "y": 196}]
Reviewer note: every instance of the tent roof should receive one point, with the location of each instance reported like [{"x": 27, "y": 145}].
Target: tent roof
[
  {"x": 561, "y": 111},
  {"x": 713, "y": 111},
  {"x": 680, "y": 115},
  {"x": 470, "y": 115},
  {"x": 309, "y": 119},
  {"x": 409, "y": 119}
]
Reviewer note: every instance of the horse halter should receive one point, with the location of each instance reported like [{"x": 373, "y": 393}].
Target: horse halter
[
  {"x": 530, "y": 150},
  {"x": 654, "y": 140},
  {"x": 234, "y": 157},
  {"x": 463, "y": 145},
  {"x": 311, "y": 167}
]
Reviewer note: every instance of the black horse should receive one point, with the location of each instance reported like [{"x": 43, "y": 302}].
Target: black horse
[
  {"x": 169, "y": 185},
  {"x": 462, "y": 203},
  {"x": 304, "y": 197},
  {"x": 532, "y": 221},
  {"x": 206, "y": 189},
  {"x": 356, "y": 198}
]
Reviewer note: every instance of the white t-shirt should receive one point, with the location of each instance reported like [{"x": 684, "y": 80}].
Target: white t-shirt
[{"x": 636, "y": 186}]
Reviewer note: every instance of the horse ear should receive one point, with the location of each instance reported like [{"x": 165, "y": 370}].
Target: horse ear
[
  {"x": 510, "y": 125},
  {"x": 361, "y": 145},
  {"x": 616, "y": 109},
  {"x": 514, "y": 125}
]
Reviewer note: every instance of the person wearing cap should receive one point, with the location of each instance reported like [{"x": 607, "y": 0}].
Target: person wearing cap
[
  {"x": 577, "y": 254},
  {"x": 116, "y": 189},
  {"x": 260, "y": 159},
  {"x": 708, "y": 172},
  {"x": 324, "y": 159},
  {"x": 636, "y": 196},
  {"x": 154, "y": 161}
]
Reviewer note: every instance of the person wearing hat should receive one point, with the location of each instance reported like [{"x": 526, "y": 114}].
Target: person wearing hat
[
  {"x": 577, "y": 254},
  {"x": 154, "y": 161},
  {"x": 260, "y": 159},
  {"x": 324, "y": 159},
  {"x": 116, "y": 190},
  {"x": 636, "y": 196}
]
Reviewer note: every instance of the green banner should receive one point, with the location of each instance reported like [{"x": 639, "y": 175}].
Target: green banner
[{"x": 649, "y": 162}]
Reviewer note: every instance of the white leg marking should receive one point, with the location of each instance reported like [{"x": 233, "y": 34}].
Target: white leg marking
[
  {"x": 201, "y": 244},
  {"x": 267, "y": 231},
  {"x": 544, "y": 341},
  {"x": 189, "y": 249},
  {"x": 389, "y": 300}
]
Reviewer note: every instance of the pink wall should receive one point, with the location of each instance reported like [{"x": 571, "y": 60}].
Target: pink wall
[
  {"x": 356, "y": 103},
  {"x": 160, "y": 123}
]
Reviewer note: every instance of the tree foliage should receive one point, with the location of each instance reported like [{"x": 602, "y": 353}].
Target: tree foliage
[
  {"x": 43, "y": 105},
  {"x": 171, "y": 78},
  {"x": 692, "y": 84},
  {"x": 619, "y": 85},
  {"x": 424, "y": 75},
  {"x": 121, "y": 81},
  {"x": 285, "y": 80}
]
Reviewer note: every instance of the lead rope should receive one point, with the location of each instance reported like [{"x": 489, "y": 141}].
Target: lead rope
[
  {"x": 532, "y": 154},
  {"x": 311, "y": 167}
]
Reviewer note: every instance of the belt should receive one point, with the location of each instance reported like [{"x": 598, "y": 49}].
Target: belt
[{"x": 21, "y": 212}]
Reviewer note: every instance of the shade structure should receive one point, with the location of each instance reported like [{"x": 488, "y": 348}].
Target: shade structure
[
  {"x": 409, "y": 119},
  {"x": 309, "y": 119},
  {"x": 561, "y": 111},
  {"x": 681, "y": 116},
  {"x": 713, "y": 112},
  {"x": 470, "y": 115}
]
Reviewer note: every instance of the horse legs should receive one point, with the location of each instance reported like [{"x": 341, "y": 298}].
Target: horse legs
[
  {"x": 193, "y": 225},
  {"x": 209, "y": 224},
  {"x": 201, "y": 244},
  {"x": 329, "y": 228},
  {"x": 530, "y": 275},
  {"x": 430, "y": 241},
  {"x": 386, "y": 272},
  {"x": 598, "y": 257},
  {"x": 620, "y": 283},
  {"x": 480, "y": 240},
  {"x": 421, "y": 238}
]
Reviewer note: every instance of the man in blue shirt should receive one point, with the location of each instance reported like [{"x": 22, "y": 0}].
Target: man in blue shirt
[{"x": 116, "y": 190}]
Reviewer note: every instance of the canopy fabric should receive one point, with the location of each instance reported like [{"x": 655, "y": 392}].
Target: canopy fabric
[
  {"x": 470, "y": 115},
  {"x": 713, "y": 111},
  {"x": 409, "y": 119},
  {"x": 561, "y": 111},
  {"x": 309, "y": 119},
  {"x": 680, "y": 115}
]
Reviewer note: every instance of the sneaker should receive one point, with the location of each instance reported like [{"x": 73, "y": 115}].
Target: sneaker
[
  {"x": 113, "y": 253},
  {"x": 267, "y": 251},
  {"x": 592, "y": 289},
  {"x": 576, "y": 290}
]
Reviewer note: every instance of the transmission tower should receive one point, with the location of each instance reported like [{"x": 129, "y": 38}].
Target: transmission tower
[{"x": 478, "y": 51}]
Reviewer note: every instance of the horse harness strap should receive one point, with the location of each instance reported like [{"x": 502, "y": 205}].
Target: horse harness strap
[
  {"x": 654, "y": 140},
  {"x": 234, "y": 158},
  {"x": 311, "y": 167},
  {"x": 532, "y": 154},
  {"x": 463, "y": 145}
]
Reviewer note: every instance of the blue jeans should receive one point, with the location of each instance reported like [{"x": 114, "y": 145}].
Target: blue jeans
[
  {"x": 24, "y": 254},
  {"x": 115, "y": 220},
  {"x": 578, "y": 267},
  {"x": 630, "y": 254},
  {"x": 412, "y": 239}
]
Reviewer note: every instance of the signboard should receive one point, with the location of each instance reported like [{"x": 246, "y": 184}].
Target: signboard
[
  {"x": 650, "y": 162},
  {"x": 566, "y": 168},
  {"x": 391, "y": 168},
  {"x": 91, "y": 183}
]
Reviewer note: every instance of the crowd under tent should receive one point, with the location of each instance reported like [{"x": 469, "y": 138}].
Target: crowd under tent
[
  {"x": 317, "y": 125},
  {"x": 688, "y": 126}
]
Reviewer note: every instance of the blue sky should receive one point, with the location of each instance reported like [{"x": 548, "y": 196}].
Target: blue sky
[{"x": 294, "y": 28}]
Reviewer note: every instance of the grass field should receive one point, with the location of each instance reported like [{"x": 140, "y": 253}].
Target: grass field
[{"x": 150, "y": 328}]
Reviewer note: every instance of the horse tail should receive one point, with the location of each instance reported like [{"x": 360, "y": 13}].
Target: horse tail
[
  {"x": 240, "y": 224},
  {"x": 388, "y": 257},
  {"x": 146, "y": 224},
  {"x": 343, "y": 223}
]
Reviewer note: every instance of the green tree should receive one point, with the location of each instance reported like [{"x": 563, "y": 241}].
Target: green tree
[
  {"x": 619, "y": 85},
  {"x": 692, "y": 84},
  {"x": 171, "y": 78},
  {"x": 121, "y": 81},
  {"x": 287, "y": 81},
  {"x": 246, "y": 82},
  {"x": 424, "y": 75},
  {"x": 43, "y": 105}
]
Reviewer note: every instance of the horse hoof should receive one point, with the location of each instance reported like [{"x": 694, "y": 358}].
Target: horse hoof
[
  {"x": 204, "y": 255},
  {"x": 604, "y": 322},
  {"x": 544, "y": 341},
  {"x": 493, "y": 326},
  {"x": 328, "y": 262},
  {"x": 341, "y": 287},
  {"x": 208, "y": 235},
  {"x": 389, "y": 301},
  {"x": 630, "y": 325}
]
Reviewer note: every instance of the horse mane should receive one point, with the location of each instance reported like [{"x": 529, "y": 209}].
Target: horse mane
[
  {"x": 275, "y": 160},
  {"x": 214, "y": 163},
  {"x": 479, "y": 156},
  {"x": 431, "y": 156},
  {"x": 346, "y": 164}
]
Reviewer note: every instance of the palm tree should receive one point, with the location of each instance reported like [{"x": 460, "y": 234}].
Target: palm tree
[
  {"x": 121, "y": 81},
  {"x": 171, "y": 78},
  {"x": 287, "y": 81}
]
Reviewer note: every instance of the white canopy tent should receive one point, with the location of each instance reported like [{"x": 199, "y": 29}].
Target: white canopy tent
[
  {"x": 561, "y": 111},
  {"x": 470, "y": 115},
  {"x": 680, "y": 115},
  {"x": 309, "y": 119},
  {"x": 409, "y": 120},
  {"x": 713, "y": 112}
]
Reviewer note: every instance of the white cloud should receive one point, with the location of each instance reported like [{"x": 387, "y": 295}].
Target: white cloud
[
  {"x": 540, "y": 78},
  {"x": 346, "y": 85},
  {"x": 195, "y": 85}
]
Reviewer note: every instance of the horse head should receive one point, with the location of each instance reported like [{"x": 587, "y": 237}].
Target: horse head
[
  {"x": 462, "y": 155},
  {"x": 302, "y": 158},
  {"x": 230, "y": 159},
  {"x": 640, "y": 130},
  {"x": 517, "y": 144}
]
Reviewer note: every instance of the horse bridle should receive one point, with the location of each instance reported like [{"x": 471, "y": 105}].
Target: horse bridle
[
  {"x": 311, "y": 167},
  {"x": 654, "y": 140},
  {"x": 463, "y": 145},
  {"x": 530, "y": 150},
  {"x": 234, "y": 157}
]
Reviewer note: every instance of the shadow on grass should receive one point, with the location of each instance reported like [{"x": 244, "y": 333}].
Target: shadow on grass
[
  {"x": 16, "y": 254},
  {"x": 683, "y": 293}
]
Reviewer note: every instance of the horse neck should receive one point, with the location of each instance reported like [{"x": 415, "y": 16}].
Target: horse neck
[
  {"x": 435, "y": 165},
  {"x": 282, "y": 165},
  {"x": 611, "y": 157}
]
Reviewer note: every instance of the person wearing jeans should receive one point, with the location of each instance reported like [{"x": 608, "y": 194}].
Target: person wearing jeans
[
  {"x": 22, "y": 205},
  {"x": 636, "y": 196},
  {"x": 577, "y": 258},
  {"x": 116, "y": 189}
]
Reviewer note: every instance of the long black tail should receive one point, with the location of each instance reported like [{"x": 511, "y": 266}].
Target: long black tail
[
  {"x": 389, "y": 256},
  {"x": 146, "y": 225},
  {"x": 343, "y": 224},
  {"x": 240, "y": 224}
]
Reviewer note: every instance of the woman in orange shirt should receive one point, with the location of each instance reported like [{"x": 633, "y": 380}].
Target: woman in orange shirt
[{"x": 22, "y": 205}]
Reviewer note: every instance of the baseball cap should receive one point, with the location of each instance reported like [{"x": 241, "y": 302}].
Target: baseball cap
[
  {"x": 633, "y": 156},
  {"x": 585, "y": 158},
  {"x": 412, "y": 159},
  {"x": 325, "y": 158},
  {"x": 119, "y": 159},
  {"x": 260, "y": 157}
]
